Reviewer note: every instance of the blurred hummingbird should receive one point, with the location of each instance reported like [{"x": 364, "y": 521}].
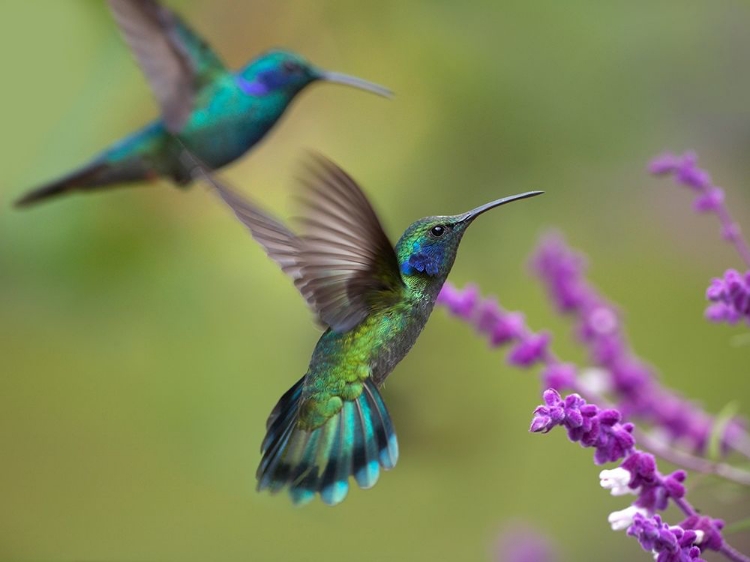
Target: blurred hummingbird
[
  {"x": 216, "y": 113},
  {"x": 374, "y": 301}
]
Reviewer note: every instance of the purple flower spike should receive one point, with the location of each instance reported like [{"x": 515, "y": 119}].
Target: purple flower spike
[
  {"x": 599, "y": 327},
  {"x": 686, "y": 172},
  {"x": 586, "y": 424},
  {"x": 562, "y": 271},
  {"x": 621, "y": 373},
  {"x": 498, "y": 325},
  {"x": 669, "y": 544}
]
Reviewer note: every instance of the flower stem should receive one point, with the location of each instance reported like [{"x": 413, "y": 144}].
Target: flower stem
[
  {"x": 691, "y": 462},
  {"x": 732, "y": 231},
  {"x": 731, "y": 553}
]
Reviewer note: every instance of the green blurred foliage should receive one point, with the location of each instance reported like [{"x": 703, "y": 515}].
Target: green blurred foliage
[{"x": 144, "y": 338}]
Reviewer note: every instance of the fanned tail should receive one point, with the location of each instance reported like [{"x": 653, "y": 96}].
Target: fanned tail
[{"x": 357, "y": 441}]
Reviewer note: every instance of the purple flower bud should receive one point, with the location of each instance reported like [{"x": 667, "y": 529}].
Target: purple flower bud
[
  {"x": 509, "y": 327},
  {"x": 530, "y": 350},
  {"x": 559, "y": 376},
  {"x": 693, "y": 177},
  {"x": 734, "y": 281},
  {"x": 673, "y": 484},
  {"x": 664, "y": 164},
  {"x": 709, "y": 201},
  {"x": 721, "y": 312},
  {"x": 460, "y": 303},
  {"x": 669, "y": 544},
  {"x": 446, "y": 295},
  {"x": 606, "y": 349},
  {"x": 609, "y": 417},
  {"x": 642, "y": 467},
  {"x": 630, "y": 375},
  {"x": 586, "y": 424},
  {"x": 524, "y": 544},
  {"x": 716, "y": 290},
  {"x": 600, "y": 321},
  {"x": 730, "y": 296},
  {"x": 540, "y": 423},
  {"x": 689, "y": 174},
  {"x": 550, "y": 414},
  {"x": 487, "y": 316},
  {"x": 711, "y": 529}
]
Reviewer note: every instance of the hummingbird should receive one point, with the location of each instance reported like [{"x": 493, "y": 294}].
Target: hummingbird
[
  {"x": 373, "y": 300},
  {"x": 218, "y": 114}
]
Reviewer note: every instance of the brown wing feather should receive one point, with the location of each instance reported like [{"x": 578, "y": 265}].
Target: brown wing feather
[
  {"x": 168, "y": 52},
  {"x": 277, "y": 240},
  {"x": 348, "y": 264},
  {"x": 343, "y": 264}
]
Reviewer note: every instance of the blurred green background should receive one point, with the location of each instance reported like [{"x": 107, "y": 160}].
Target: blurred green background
[{"x": 144, "y": 337}]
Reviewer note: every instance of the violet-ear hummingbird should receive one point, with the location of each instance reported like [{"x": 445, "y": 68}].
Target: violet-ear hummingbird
[
  {"x": 373, "y": 300},
  {"x": 217, "y": 113}
]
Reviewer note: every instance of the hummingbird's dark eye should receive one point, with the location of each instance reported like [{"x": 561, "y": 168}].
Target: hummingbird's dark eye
[
  {"x": 291, "y": 67},
  {"x": 437, "y": 231}
]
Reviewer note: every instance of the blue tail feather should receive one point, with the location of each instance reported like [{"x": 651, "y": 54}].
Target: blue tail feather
[
  {"x": 357, "y": 441},
  {"x": 366, "y": 458},
  {"x": 387, "y": 444}
]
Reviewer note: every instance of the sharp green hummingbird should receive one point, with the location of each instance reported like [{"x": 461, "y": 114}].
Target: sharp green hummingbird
[
  {"x": 374, "y": 301},
  {"x": 216, "y": 113}
]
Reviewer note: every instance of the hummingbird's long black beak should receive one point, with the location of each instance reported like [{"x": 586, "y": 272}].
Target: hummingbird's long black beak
[
  {"x": 354, "y": 82},
  {"x": 474, "y": 213}
]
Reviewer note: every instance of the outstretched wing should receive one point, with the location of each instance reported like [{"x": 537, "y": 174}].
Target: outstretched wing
[
  {"x": 348, "y": 266},
  {"x": 176, "y": 61},
  {"x": 343, "y": 264}
]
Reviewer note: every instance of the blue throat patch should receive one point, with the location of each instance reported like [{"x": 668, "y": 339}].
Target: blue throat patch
[
  {"x": 254, "y": 88},
  {"x": 424, "y": 260}
]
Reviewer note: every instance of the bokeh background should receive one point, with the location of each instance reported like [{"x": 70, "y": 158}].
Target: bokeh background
[{"x": 144, "y": 337}]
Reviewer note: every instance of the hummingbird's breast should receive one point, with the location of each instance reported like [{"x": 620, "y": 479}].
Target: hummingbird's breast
[
  {"x": 228, "y": 122},
  {"x": 401, "y": 333},
  {"x": 375, "y": 346},
  {"x": 342, "y": 361}
]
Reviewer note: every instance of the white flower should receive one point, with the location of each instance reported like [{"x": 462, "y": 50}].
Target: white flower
[
  {"x": 623, "y": 519},
  {"x": 616, "y": 480},
  {"x": 595, "y": 380}
]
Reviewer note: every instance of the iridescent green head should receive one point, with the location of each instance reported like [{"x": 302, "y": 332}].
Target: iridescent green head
[
  {"x": 428, "y": 247},
  {"x": 288, "y": 73}
]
